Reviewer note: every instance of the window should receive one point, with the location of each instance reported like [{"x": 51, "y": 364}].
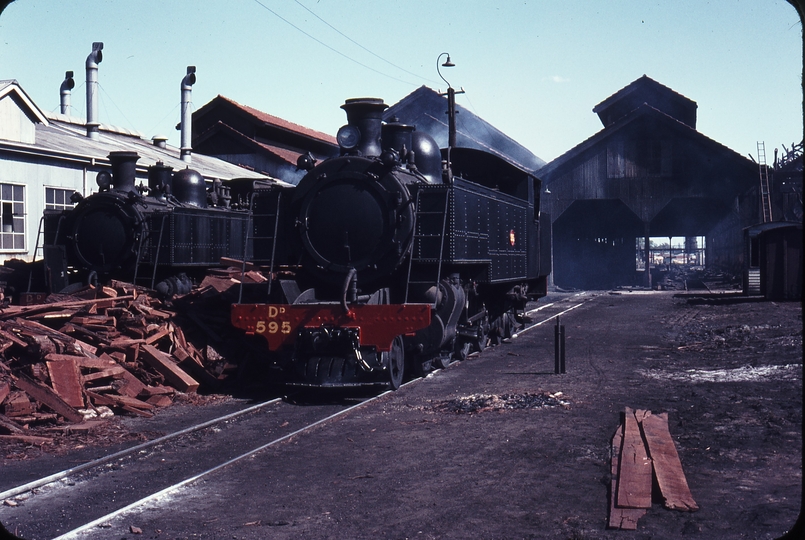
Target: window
[
  {"x": 12, "y": 217},
  {"x": 58, "y": 199}
]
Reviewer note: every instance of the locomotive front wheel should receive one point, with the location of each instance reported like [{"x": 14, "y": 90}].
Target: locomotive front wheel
[{"x": 396, "y": 363}]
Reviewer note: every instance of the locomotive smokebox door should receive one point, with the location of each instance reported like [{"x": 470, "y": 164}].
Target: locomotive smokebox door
[{"x": 360, "y": 218}]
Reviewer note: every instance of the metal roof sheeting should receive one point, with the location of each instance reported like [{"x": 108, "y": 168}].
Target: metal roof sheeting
[{"x": 62, "y": 137}]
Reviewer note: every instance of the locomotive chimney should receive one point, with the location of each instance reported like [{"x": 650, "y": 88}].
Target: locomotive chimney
[
  {"x": 66, "y": 85},
  {"x": 366, "y": 115},
  {"x": 124, "y": 167},
  {"x": 187, "y": 88},
  {"x": 93, "y": 60}
]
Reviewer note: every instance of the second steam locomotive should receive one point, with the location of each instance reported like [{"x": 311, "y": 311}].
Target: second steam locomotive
[{"x": 393, "y": 256}]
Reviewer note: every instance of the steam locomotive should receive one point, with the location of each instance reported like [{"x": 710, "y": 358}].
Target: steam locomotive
[
  {"x": 393, "y": 256},
  {"x": 174, "y": 226}
]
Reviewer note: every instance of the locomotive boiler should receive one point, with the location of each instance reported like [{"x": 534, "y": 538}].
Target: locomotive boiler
[
  {"x": 393, "y": 256},
  {"x": 145, "y": 235}
]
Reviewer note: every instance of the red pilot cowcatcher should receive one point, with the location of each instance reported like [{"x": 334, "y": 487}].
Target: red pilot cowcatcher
[{"x": 378, "y": 325}]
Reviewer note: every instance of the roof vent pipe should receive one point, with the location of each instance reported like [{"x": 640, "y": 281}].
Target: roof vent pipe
[
  {"x": 93, "y": 60},
  {"x": 187, "y": 88},
  {"x": 66, "y": 85}
]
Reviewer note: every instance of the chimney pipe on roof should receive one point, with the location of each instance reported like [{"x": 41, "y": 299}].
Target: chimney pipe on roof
[
  {"x": 187, "y": 84},
  {"x": 93, "y": 60},
  {"x": 66, "y": 85}
]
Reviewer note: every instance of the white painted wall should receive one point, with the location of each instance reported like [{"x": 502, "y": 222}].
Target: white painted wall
[{"x": 35, "y": 176}]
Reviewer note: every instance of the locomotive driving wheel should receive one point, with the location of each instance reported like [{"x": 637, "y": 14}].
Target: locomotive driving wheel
[{"x": 396, "y": 363}]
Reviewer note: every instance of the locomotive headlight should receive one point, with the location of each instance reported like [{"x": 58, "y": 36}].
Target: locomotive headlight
[{"x": 348, "y": 137}]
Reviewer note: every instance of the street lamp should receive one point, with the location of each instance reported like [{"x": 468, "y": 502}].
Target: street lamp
[
  {"x": 447, "y": 63},
  {"x": 451, "y": 100}
]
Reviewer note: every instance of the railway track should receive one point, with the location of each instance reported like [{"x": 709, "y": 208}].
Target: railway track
[
  {"x": 70, "y": 502},
  {"x": 74, "y": 502},
  {"x": 550, "y": 311}
]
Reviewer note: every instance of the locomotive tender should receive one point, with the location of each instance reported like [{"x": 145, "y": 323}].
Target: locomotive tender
[{"x": 393, "y": 256}]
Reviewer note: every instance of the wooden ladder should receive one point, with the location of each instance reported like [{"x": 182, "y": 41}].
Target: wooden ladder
[{"x": 765, "y": 194}]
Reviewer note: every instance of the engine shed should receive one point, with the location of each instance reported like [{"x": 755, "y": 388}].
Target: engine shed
[{"x": 648, "y": 173}]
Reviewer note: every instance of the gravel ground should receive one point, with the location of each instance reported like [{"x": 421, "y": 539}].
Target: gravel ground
[{"x": 500, "y": 447}]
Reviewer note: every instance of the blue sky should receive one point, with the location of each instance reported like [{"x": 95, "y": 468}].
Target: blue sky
[{"x": 534, "y": 69}]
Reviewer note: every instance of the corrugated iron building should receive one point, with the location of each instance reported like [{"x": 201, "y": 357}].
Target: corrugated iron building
[{"x": 648, "y": 173}]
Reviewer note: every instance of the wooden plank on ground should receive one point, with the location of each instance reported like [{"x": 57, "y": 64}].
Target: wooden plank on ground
[
  {"x": 196, "y": 370},
  {"x": 5, "y": 388},
  {"x": 92, "y": 363},
  {"x": 13, "y": 338},
  {"x": 132, "y": 402},
  {"x": 66, "y": 381},
  {"x": 122, "y": 343},
  {"x": 100, "y": 399},
  {"x": 29, "y": 439},
  {"x": 110, "y": 372},
  {"x": 18, "y": 404},
  {"x": 159, "y": 401},
  {"x": 40, "y": 308},
  {"x": 667, "y": 467},
  {"x": 634, "y": 472},
  {"x": 227, "y": 261},
  {"x": 8, "y": 425},
  {"x": 173, "y": 374},
  {"x": 45, "y": 395},
  {"x": 620, "y": 518},
  {"x": 255, "y": 276},
  {"x": 129, "y": 385},
  {"x": 150, "y": 391},
  {"x": 159, "y": 334},
  {"x": 218, "y": 283}
]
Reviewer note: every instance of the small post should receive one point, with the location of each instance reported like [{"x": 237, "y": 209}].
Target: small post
[
  {"x": 557, "y": 367},
  {"x": 559, "y": 348}
]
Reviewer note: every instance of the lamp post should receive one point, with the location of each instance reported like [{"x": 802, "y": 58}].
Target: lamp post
[{"x": 451, "y": 100}]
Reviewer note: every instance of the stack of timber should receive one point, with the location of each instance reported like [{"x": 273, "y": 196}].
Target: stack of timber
[
  {"x": 117, "y": 347},
  {"x": 642, "y": 450}
]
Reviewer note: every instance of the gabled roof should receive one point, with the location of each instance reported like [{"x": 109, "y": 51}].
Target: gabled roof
[
  {"x": 642, "y": 112},
  {"x": 12, "y": 88},
  {"x": 425, "y": 109},
  {"x": 259, "y": 118},
  {"x": 646, "y": 90},
  {"x": 220, "y": 128}
]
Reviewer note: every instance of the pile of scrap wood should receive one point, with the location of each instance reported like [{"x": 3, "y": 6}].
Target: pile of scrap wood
[
  {"x": 112, "y": 347},
  {"x": 634, "y": 462}
]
